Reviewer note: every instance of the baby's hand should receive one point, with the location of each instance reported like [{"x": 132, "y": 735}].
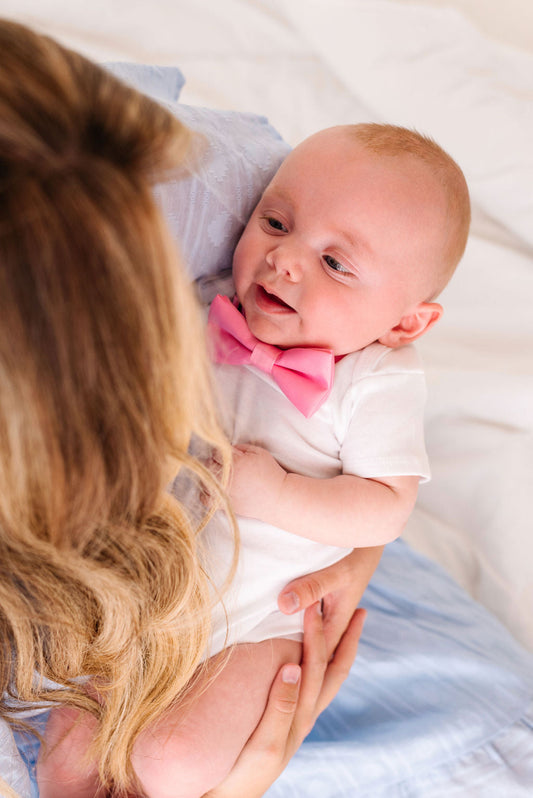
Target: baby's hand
[{"x": 256, "y": 481}]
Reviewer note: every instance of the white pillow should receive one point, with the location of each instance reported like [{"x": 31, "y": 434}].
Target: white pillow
[{"x": 430, "y": 69}]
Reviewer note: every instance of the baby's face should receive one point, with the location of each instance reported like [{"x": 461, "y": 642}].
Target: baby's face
[{"x": 340, "y": 247}]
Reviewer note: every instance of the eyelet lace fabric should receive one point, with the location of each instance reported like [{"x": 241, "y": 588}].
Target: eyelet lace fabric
[{"x": 233, "y": 158}]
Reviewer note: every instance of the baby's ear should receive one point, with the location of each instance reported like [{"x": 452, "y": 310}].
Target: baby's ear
[{"x": 413, "y": 325}]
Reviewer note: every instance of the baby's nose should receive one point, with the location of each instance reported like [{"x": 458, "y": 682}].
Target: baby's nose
[{"x": 287, "y": 261}]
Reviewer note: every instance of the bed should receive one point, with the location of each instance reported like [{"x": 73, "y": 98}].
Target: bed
[{"x": 440, "y": 703}]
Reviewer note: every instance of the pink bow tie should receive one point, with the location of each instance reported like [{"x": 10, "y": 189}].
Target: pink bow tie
[{"x": 305, "y": 375}]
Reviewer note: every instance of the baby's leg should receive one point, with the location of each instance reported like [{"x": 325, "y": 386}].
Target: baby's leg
[
  {"x": 61, "y": 769},
  {"x": 193, "y": 748}
]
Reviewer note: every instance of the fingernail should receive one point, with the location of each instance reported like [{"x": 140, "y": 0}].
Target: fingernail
[
  {"x": 290, "y": 602},
  {"x": 291, "y": 674}
]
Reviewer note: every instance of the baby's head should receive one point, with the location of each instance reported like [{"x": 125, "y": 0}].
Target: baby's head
[{"x": 358, "y": 232}]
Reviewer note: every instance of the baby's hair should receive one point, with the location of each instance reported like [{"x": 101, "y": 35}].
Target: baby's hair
[
  {"x": 103, "y": 382},
  {"x": 393, "y": 140}
]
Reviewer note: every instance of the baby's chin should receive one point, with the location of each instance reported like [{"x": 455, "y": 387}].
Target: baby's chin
[
  {"x": 284, "y": 341},
  {"x": 269, "y": 329},
  {"x": 272, "y": 337}
]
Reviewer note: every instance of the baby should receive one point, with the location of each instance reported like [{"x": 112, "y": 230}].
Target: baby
[
  {"x": 354, "y": 238},
  {"x": 335, "y": 276}
]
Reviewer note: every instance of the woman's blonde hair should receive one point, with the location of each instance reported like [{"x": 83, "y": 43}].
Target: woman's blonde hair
[
  {"x": 103, "y": 383},
  {"x": 6, "y": 791}
]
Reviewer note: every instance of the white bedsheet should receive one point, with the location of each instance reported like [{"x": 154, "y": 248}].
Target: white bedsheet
[{"x": 307, "y": 64}]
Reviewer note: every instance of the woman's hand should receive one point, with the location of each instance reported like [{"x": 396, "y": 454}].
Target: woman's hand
[
  {"x": 297, "y": 697},
  {"x": 339, "y": 587}
]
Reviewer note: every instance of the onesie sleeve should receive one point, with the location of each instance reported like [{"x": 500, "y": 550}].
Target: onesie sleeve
[{"x": 383, "y": 416}]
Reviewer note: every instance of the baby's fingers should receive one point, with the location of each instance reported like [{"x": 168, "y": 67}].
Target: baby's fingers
[{"x": 245, "y": 448}]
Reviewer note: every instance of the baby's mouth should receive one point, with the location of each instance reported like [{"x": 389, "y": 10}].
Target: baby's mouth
[{"x": 271, "y": 302}]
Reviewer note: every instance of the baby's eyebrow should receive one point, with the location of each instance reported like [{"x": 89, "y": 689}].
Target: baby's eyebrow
[
  {"x": 356, "y": 242},
  {"x": 277, "y": 193}
]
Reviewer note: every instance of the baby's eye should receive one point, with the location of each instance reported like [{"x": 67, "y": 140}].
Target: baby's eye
[
  {"x": 335, "y": 265},
  {"x": 275, "y": 224}
]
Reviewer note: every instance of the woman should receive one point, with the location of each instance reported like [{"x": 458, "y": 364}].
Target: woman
[{"x": 103, "y": 385}]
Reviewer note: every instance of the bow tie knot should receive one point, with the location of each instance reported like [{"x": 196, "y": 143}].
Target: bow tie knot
[
  {"x": 264, "y": 356},
  {"x": 304, "y": 374}
]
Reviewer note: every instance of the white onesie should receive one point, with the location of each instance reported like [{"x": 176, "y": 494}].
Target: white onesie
[{"x": 371, "y": 425}]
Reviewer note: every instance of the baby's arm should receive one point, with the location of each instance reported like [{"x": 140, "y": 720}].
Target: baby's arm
[{"x": 345, "y": 510}]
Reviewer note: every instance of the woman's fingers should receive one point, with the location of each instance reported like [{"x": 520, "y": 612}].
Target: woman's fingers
[
  {"x": 301, "y": 593},
  {"x": 272, "y": 732},
  {"x": 322, "y": 677},
  {"x": 314, "y": 665},
  {"x": 270, "y": 747},
  {"x": 307, "y": 590},
  {"x": 297, "y": 696},
  {"x": 342, "y": 661},
  {"x": 340, "y": 587}
]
